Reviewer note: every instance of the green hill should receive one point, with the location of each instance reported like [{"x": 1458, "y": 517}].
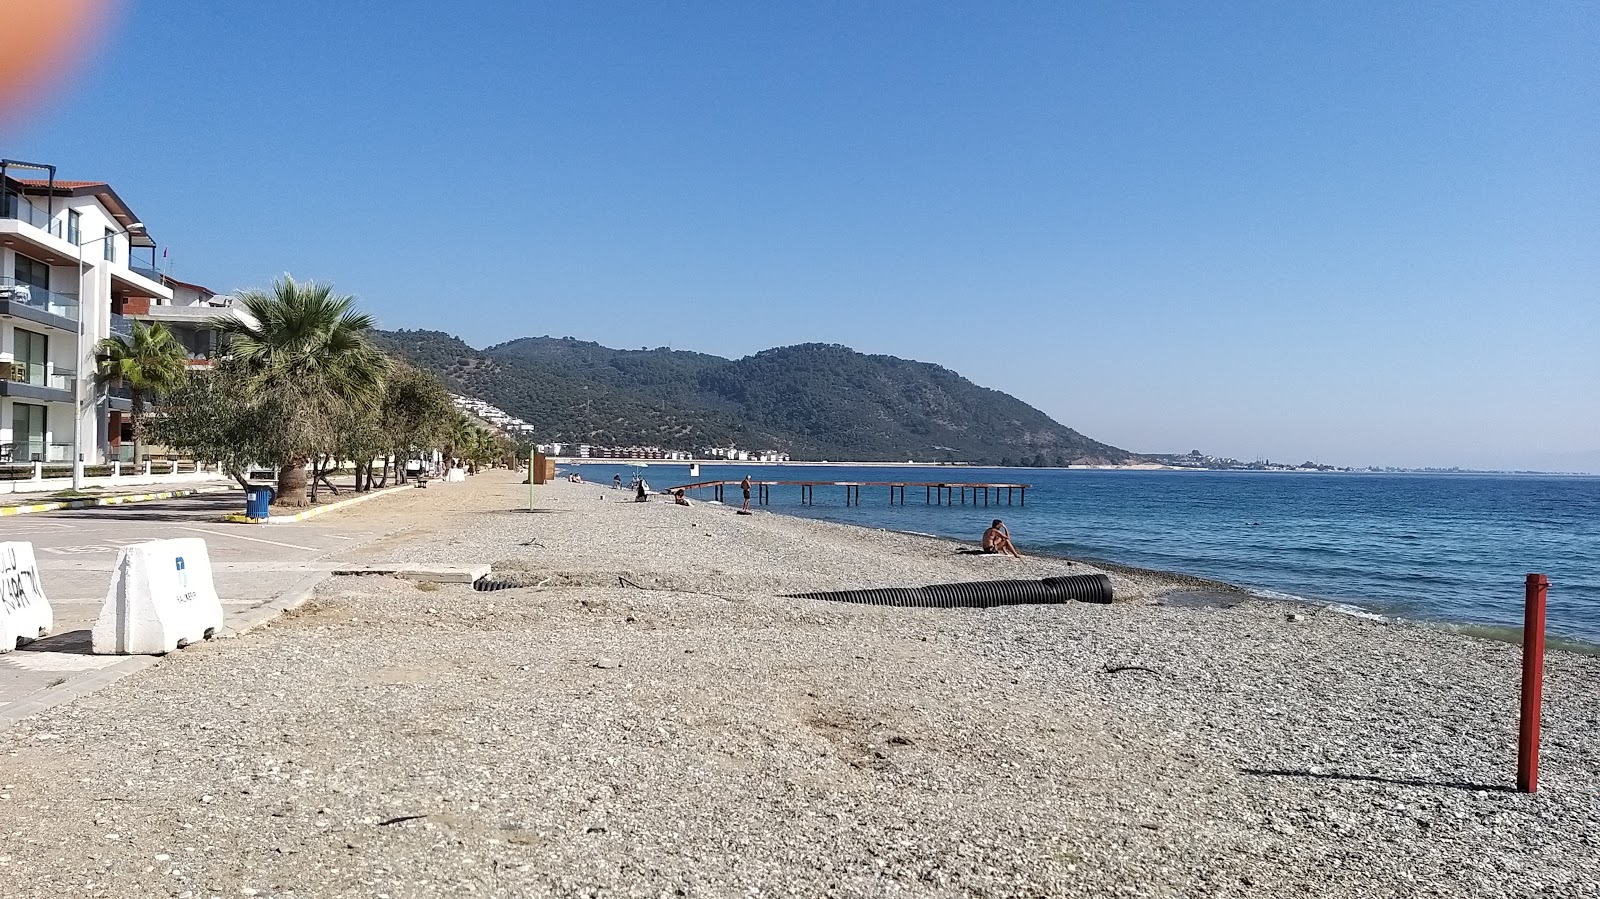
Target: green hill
[{"x": 814, "y": 401}]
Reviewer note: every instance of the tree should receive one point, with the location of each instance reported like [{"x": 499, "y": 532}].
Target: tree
[
  {"x": 204, "y": 417},
  {"x": 416, "y": 413},
  {"x": 459, "y": 434},
  {"x": 304, "y": 361},
  {"x": 151, "y": 363}
]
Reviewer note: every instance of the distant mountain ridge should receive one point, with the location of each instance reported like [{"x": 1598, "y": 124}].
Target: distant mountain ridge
[{"x": 814, "y": 401}]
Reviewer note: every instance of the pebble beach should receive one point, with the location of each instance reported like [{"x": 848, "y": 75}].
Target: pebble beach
[{"x": 642, "y": 713}]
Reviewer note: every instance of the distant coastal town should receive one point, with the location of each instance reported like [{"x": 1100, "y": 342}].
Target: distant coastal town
[
  {"x": 519, "y": 430},
  {"x": 522, "y": 432}
]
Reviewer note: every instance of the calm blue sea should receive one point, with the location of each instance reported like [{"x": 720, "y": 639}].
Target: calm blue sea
[{"x": 1451, "y": 548}]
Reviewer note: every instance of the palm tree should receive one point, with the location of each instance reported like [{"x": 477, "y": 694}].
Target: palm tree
[
  {"x": 152, "y": 362},
  {"x": 306, "y": 358},
  {"x": 458, "y": 437}
]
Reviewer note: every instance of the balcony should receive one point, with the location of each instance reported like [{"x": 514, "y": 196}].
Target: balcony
[
  {"x": 17, "y": 298},
  {"x": 35, "y": 450},
  {"x": 36, "y": 393},
  {"x": 32, "y": 229},
  {"x": 16, "y": 207},
  {"x": 194, "y": 315},
  {"x": 61, "y": 379},
  {"x": 137, "y": 282}
]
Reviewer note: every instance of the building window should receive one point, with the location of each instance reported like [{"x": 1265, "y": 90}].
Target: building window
[
  {"x": 32, "y": 350},
  {"x": 111, "y": 245},
  {"x": 31, "y": 272},
  {"x": 74, "y": 233},
  {"x": 27, "y": 432}
]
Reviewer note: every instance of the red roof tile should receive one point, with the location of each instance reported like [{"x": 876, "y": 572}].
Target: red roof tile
[{"x": 63, "y": 185}]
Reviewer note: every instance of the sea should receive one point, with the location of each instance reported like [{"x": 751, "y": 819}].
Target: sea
[{"x": 1450, "y": 549}]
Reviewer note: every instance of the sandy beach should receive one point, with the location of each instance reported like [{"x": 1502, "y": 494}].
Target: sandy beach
[{"x": 644, "y": 715}]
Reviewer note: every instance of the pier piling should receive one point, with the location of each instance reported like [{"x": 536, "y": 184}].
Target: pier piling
[{"x": 933, "y": 494}]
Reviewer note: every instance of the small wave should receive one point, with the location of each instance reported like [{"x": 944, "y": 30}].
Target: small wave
[
  {"x": 1275, "y": 596},
  {"x": 1340, "y": 608},
  {"x": 1344, "y": 608}
]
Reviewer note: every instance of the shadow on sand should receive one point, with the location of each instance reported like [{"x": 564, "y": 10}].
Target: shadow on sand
[{"x": 1371, "y": 778}]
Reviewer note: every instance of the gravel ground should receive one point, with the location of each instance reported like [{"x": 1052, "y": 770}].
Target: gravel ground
[{"x": 696, "y": 736}]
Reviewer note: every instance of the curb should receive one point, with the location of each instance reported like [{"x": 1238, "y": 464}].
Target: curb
[
  {"x": 73, "y": 689},
  {"x": 77, "y": 687},
  {"x": 319, "y": 510},
  {"x": 106, "y": 501},
  {"x": 256, "y": 616}
]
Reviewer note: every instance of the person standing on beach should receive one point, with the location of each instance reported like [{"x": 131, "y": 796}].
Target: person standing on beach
[
  {"x": 616, "y": 482},
  {"x": 745, "y": 486}
]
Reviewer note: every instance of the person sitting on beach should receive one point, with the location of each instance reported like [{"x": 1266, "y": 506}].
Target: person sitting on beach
[
  {"x": 997, "y": 540},
  {"x": 679, "y": 498},
  {"x": 616, "y": 482},
  {"x": 575, "y": 478}
]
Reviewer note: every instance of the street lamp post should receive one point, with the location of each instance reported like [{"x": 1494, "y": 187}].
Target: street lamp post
[{"x": 77, "y": 381}]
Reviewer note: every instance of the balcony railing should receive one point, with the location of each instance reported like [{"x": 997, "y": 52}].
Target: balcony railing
[
  {"x": 121, "y": 325},
  {"x": 62, "y": 304},
  {"x": 63, "y": 380},
  {"x": 142, "y": 271},
  {"x": 17, "y": 207},
  {"x": 35, "y": 450}
]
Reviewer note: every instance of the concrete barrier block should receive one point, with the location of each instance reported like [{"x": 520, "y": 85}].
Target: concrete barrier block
[
  {"x": 161, "y": 598},
  {"x": 25, "y": 613}
]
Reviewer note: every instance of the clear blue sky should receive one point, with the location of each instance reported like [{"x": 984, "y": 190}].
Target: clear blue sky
[{"x": 1359, "y": 233}]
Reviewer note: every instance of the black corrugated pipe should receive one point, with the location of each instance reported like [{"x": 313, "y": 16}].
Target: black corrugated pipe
[{"x": 1094, "y": 588}]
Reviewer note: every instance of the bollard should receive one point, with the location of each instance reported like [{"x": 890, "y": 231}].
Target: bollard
[{"x": 1532, "y": 683}]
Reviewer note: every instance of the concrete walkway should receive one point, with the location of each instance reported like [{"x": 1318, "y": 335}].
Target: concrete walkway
[{"x": 257, "y": 570}]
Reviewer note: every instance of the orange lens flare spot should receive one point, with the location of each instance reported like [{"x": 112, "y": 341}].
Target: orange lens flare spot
[{"x": 45, "y": 40}]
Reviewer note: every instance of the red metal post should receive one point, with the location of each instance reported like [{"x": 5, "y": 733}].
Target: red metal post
[{"x": 1532, "y": 683}]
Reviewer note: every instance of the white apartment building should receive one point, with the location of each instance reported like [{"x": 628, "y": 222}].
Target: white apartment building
[
  {"x": 188, "y": 315},
  {"x": 69, "y": 268}
]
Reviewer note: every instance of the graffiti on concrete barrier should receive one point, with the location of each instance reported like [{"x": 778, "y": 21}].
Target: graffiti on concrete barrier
[{"x": 19, "y": 586}]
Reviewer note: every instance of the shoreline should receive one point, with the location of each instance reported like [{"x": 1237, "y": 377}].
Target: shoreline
[
  {"x": 1183, "y": 581},
  {"x": 646, "y": 713}
]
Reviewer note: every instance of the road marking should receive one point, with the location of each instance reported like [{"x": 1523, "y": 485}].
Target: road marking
[
  {"x": 309, "y": 549},
  {"x": 23, "y": 527}
]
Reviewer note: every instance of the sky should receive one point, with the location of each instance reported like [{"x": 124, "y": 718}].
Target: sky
[{"x": 1355, "y": 233}]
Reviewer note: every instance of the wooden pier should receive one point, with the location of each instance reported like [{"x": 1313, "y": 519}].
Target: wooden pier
[{"x": 934, "y": 493}]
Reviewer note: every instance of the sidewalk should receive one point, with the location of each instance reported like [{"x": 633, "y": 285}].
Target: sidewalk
[
  {"x": 259, "y": 572},
  {"x": 29, "y": 503}
]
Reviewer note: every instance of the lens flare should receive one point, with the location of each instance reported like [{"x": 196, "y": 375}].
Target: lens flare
[{"x": 46, "y": 43}]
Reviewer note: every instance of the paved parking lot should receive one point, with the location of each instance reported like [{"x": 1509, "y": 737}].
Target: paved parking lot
[{"x": 77, "y": 549}]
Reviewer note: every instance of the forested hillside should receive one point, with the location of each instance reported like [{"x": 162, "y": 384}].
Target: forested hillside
[{"x": 814, "y": 401}]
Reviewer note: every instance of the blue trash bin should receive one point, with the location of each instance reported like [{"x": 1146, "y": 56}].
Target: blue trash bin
[{"x": 257, "y": 499}]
